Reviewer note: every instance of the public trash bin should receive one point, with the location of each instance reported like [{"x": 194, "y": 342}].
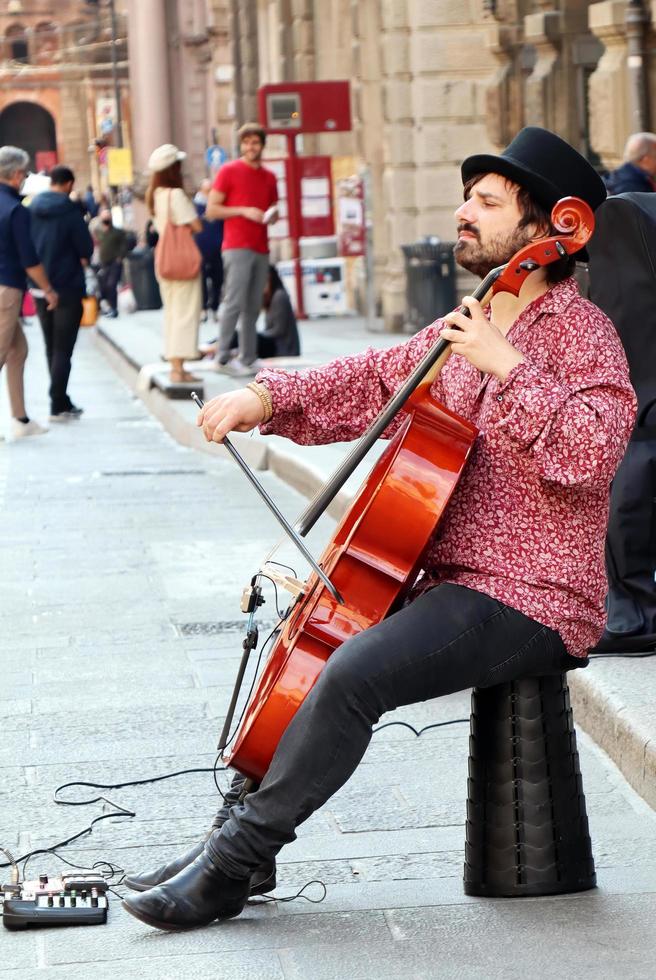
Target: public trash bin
[
  {"x": 141, "y": 263},
  {"x": 430, "y": 271}
]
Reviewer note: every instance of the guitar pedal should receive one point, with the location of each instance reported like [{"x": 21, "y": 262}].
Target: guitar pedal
[{"x": 66, "y": 900}]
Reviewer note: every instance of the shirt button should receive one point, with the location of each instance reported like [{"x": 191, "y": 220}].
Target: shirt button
[{"x": 499, "y": 398}]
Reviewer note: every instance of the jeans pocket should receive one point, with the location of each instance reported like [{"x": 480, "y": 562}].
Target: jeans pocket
[{"x": 543, "y": 653}]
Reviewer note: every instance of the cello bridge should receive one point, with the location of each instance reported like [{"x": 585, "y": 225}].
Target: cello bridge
[{"x": 287, "y": 582}]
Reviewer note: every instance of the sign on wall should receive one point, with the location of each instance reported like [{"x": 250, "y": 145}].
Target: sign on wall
[{"x": 119, "y": 165}]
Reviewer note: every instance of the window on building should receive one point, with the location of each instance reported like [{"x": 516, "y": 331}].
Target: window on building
[
  {"x": 46, "y": 41},
  {"x": 17, "y": 49}
]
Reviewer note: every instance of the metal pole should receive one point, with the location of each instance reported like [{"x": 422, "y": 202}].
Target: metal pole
[
  {"x": 294, "y": 211},
  {"x": 370, "y": 296},
  {"x": 117, "y": 91}
]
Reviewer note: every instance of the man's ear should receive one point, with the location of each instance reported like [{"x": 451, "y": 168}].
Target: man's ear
[{"x": 540, "y": 231}]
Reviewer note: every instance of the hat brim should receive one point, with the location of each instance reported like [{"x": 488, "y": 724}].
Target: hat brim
[
  {"x": 544, "y": 192},
  {"x": 157, "y": 165}
]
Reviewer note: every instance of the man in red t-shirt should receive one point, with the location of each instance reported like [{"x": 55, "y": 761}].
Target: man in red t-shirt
[{"x": 244, "y": 195}]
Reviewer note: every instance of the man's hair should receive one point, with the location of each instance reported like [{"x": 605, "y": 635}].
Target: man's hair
[
  {"x": 533, "y": 213},
  {"x": 252, "y": 129},
  {"x": 639, "y": 145},
  {"x": 61, "y": 175},
  {"x": 12, "y": 158}
]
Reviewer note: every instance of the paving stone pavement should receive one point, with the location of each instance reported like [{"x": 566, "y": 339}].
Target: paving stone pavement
[{"x": 116, "y": 541}]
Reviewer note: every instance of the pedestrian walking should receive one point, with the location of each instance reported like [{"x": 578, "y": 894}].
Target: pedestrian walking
[
  {"x": 209, "y": 241},
  {"x": 244, "y": 195},
  {"x": 181, "y": 297},
  {"x": 513, "y": 580},
  {"x": 112, "y": 249},
  {"x": 91, "y": 203},
  {"x": 18, "y": 257},
  {"x": 638, "y": 172},
  {"x": 64, "y": 245}
]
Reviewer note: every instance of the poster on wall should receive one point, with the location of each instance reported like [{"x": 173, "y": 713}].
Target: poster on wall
[
  {"x": 119, "y": 165},
  {"x": 351, "y": 218},
  {"x": 105, "y": 115}
]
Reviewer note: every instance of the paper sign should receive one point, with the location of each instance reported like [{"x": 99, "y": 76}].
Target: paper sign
[
  {"x": 315, "y": 207},
  {"x": 315, "y": 187},
  {"x": 119, "y": 165},
  {"x": 350, "y": 211}
]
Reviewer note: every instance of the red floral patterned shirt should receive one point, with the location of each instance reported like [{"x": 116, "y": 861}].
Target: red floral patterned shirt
[{"x": 527, "y": 522}]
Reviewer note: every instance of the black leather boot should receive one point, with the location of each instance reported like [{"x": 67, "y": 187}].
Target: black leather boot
[
  {"x": 263, "y": 880},
  {"x": 194, "y": 897}
]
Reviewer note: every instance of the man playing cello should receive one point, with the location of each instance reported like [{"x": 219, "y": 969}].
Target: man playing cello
[{"x": 514, "y": 578}]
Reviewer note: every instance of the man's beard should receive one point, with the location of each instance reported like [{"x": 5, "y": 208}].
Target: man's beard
[{"x": 481, "y": 259}]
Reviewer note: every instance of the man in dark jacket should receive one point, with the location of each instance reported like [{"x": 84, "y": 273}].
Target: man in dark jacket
[
  {"x": 638, "y": 172},
  {"x": 209, "y": 241},
  {"x": 112, "y": 249},
  {"x": 63, "y": 244}
]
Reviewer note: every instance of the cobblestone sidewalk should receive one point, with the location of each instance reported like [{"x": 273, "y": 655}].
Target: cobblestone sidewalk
[{"x": 124, "y": 556}]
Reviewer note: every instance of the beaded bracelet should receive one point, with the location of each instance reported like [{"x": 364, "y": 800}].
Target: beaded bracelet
[{"x": 264, "y": 395}]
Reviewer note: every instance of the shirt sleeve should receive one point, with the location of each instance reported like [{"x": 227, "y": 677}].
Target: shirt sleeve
[
  {"x": 575, "y": 425},
  {"x": 222, "y": 181},
  {"x": 337, "y": 402},
  {"x": 20, "y": 226},
  {"x": 82, "y": 238},
  {"x": 183, "y": 211}
]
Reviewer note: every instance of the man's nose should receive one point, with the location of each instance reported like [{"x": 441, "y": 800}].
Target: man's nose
[{"x": 464, "y": 212}]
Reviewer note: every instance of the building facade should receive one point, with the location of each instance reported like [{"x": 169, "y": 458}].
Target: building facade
[
  {"x": 432, "y": 81},
  {"x": 57, "y": 91}
]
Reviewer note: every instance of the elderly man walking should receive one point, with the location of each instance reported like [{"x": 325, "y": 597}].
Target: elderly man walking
[
  {"x": 638, "y": 172},
  {"x": 18, "y": 257}
]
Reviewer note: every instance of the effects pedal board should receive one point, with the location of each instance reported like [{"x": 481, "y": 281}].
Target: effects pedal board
[{"x": 69, "y": 900}]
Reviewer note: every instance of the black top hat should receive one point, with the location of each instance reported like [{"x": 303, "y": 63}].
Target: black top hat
[{"x": 544, "y": 164}]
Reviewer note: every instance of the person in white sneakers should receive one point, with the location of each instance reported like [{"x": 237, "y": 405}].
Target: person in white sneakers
[
  {"x": 244, "y": 196},
  {"x": 18, "y": 257}
]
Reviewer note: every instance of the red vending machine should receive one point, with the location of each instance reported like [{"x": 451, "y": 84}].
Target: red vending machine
[{"x": 307, "y": 207}]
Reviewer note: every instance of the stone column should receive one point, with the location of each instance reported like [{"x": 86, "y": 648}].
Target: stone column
[
  {"x": 398, "y": 177},
  {"x": 302, "y": 35},
  {"x": 243, "y": 25},
  {"x": 149, "y": 78},
  {"x": 369, "y": 120},
  {"x": 190, "y": 58},
  {"x": 543, "y": 99},
  {"x": 636, "y": 20},
  {"x": 73, "y": 123},
  {"x": 223, "y": 71},
  {"x": 609, "y": 125},
  {"x": 503, "y": 98}
]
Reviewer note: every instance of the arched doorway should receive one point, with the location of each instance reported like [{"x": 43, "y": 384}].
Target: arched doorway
[{"x": 29, "y": 126}]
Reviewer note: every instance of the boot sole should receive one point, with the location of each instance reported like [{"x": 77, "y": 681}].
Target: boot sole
[{"x": 172, "y": 927}]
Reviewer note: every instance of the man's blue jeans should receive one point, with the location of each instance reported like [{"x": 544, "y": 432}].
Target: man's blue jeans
[{"x": 450, "y": 639}]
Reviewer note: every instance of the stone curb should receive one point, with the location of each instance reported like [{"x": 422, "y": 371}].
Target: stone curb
[{"x": 601, "y": 714}]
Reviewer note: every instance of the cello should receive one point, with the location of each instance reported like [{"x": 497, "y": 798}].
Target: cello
[{"x": 376, "y": 552}]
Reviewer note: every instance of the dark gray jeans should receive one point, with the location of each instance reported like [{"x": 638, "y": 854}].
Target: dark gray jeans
[
  {"x": 245, "y": 274},
  {"x": 450, "y": 639}
]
